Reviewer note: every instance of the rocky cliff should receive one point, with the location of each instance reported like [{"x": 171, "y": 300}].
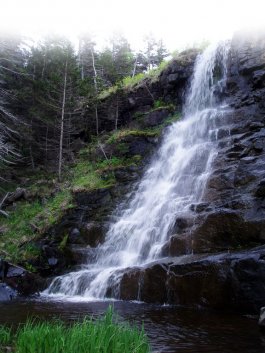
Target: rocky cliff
[
  {"x": 215, "y": 256},
  {"x": 231, "y": 215}
]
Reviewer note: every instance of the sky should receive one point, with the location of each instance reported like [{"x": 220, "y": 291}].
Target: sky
[{"x": 180, "y": 23}]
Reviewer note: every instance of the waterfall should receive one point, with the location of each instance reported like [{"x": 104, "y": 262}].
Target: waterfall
[{"x": 174, "y": 180}]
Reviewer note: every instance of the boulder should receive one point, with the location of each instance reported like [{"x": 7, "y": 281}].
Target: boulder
[
  {"x": 75, "y": 236},
  {"x": 18, "y": 281},
  {"x": 6, "y": 292}
]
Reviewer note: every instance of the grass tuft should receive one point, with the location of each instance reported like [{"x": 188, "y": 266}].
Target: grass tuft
[{"x": 104, "y": 335}]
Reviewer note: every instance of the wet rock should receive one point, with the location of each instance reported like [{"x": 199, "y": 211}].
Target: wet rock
[
  {"x": 224, "y": 230},
  {"x": 6, "y": 292},
  {"x": 83, "y": 254},
  {"x": 147, "y": 285},
  {"x": 93, "y": 199},
  {"x": 179, "y": 244},
  {"x": 156, "y": 117},
  {"x": 74, "y": 237},
  {"x": 222, "y": 281},
  {"x": 180, "y": 225},
  {"x": 260, "y": 192},
  {"x": 262, "y": 318},
  {"x": 126, "y": 174},
  {"x": 259, "y": 78},
  {"x": 200, "y": 207},
  {"x": 92, "y": 233},
  {"x": 130, "y": 285},
  {"x": 53, "y": 261},
  {"x": 18, "y": 281}
]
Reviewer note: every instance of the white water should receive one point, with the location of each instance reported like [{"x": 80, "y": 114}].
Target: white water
[{"x": 175, "y": 180}]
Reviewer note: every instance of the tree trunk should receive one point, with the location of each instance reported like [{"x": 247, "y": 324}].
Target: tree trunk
[
  {"x": 135, "y": 66},
  {"x": 62, "y": 123},
  {"x": 96, "y": 89},
  {"x": 44, "y": 63},
  {"x": 117, "y": 114},
  {"x": 80, "y": 59}
]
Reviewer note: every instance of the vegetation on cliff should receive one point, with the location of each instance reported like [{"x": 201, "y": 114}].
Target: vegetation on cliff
[
  {"x": 46, "y": 200},
  {"x": 54, "y": 149}
]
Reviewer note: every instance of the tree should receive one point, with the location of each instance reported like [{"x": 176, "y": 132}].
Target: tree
[
  {"x": 87, "y": 60},
  {"x": 11, "y": 70},
  {"x": 155, "y": 51},
  {"x": 117, "y": 61},
  {"x": 55, "y": 94}
]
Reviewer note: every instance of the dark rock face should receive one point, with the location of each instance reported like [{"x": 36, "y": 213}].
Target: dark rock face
[
  {"x": 156, "y": 117},
  {"x": 231, "y": 214},
  {"x": 234, "y": 211},
  {"x": 222, "y": 281}
]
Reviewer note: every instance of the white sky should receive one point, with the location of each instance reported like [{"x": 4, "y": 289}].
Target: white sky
[{"x": 178, "y": 22}]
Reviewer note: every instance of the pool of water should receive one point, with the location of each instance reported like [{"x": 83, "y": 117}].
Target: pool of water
[{"x": 170, "y": 329}]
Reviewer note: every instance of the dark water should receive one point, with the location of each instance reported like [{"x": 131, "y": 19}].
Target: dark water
[{"x": 170, "y": 329}]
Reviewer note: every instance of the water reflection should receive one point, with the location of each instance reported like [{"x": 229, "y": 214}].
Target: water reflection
[{"x": 170, "y": 329}]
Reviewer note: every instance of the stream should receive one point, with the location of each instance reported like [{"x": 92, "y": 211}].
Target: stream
[{"x": 170, "y": 329}]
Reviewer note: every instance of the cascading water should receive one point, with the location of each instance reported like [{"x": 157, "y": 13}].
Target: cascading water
[{"x": 175, "y": 179}]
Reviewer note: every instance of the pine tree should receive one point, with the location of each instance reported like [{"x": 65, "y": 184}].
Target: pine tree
[
  {"x": 11, "y": 69},
  {"x": 55, "y": 92}
]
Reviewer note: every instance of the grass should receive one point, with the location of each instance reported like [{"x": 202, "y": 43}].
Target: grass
[
  {"x": 130, "y": 82},
  {"x": 104, "y": 335},
  {"x": 85, "y": 177},
  {"x": 120, "y": 135},
  {"x": 123, "y": 133},
  {"x": 27, "y": 221}
]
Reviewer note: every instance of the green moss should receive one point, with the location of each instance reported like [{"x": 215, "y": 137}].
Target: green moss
[
  {"x": 129, "y": 82},
  {"x": 86, "y": 177},
  {"x": 122, "y": 134},
  {"x": 160, "y": 105},
  {"x": 110, "y": 163},
  {"x": 63, "y": 243},
  {"x": 122, "y": 148}
]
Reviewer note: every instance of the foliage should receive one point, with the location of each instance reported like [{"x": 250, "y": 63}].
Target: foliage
[
  {"x": 121, "y": 134},
  {"x": 85, "y": 177},
  {"x": 27, "y": 221},
  {"x": 11, "y": 66},
  {"x": 131, "y": 81},
  {"x": 104, "y": 335},
  {"x": 5, "y": 336},
  {"x": 155, "y": 51},
  {"x": 110, "y": 163}
]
